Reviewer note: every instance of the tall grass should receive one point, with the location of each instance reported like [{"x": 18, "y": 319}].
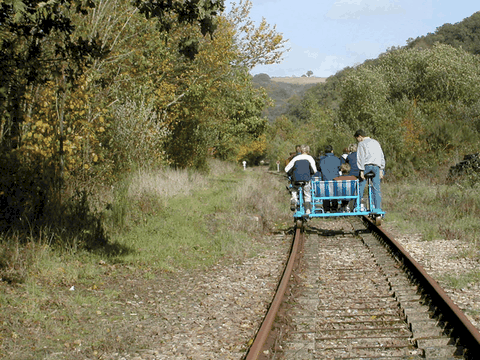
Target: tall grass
[
  {"x": 164, "y": 219},
  {"x": 185, "y": 219},
  {"x": 435, "y": 209}
]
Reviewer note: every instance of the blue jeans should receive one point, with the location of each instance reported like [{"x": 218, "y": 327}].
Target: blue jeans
[{"x": 376, "y": 192}]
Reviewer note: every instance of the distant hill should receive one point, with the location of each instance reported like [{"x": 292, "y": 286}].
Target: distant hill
[
  {"x": 289, "y": 93},
  {"x": 300, "y": 80},
  {"x": 283, "y": 90}
]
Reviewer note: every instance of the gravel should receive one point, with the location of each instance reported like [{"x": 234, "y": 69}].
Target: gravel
[
  {"x": 210, "y": 314},
  {"x": 447, "y": 258},
  {"x": 215, "y": 314}
]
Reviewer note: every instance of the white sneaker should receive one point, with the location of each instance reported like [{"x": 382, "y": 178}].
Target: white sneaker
[{"x": 307, "y": 212}]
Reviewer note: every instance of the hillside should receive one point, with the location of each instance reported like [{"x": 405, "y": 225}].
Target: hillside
[
  {"x": 299, "y": 80},
  {"x": 465, "y": 34},
  {"x": 283, "y": 90}
]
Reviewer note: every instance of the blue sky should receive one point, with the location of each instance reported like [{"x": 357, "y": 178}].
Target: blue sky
[{"x": 326, "y": 36}]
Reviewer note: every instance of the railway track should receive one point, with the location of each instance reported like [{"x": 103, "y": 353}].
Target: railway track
[{"x": 358, "y": 295}]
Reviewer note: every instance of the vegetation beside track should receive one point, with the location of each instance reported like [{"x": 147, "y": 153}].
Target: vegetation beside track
[
  {"x": 59, "y": 299},
  {"x": 436, "y": 210}
]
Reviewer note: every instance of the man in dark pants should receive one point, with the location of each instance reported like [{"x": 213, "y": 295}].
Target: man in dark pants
[
  {"x": 330, "y": 169},
  {"x": 370, "y": 158}
]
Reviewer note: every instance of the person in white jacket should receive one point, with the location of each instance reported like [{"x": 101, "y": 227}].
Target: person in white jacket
[{"x": 300, "y": 169}]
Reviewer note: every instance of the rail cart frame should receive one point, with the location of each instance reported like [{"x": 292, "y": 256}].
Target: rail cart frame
[{"x": 338, "y": 190}]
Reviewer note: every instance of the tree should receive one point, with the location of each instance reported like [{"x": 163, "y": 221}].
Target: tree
[
  {"x": 309, "y": 73},
  {"x": 465, "y": 34},
  {"x": 58, "y": 87},
  {"x": 260, "y": 45},
  {"x": 37, "y": 46},
  {"x": 420, "y": 103},
  {"x": 170, "y": 14}
]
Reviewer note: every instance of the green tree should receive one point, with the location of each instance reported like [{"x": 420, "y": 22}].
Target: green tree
[
  {"x": 464, "y": 34},
  {"x": 415, "y": 101}
]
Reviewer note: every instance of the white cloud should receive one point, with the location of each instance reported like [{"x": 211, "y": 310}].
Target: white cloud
[{"x": 355, "y": 9}]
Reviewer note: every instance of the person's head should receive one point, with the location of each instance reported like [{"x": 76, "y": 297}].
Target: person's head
[
  {"x": 360, "y": 135},
  {"x": 345, "y": 150},
  {"x": 298, "y": 149},
  {"x": 305, "y": 149},
  {"x": 352, "y": 148},
  {"x": 328, "y": 149},
  {"x": 345, "y": 168}
]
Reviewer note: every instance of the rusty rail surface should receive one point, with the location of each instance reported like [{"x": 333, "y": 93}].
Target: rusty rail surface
[
  {"x": 267, "y": 323},
  {"x": 456, "y": 321}
]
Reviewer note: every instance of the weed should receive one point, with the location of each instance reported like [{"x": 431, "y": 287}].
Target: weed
[
  {"x": 461, "y": 281},
  {"x": 436, "y": 211}
]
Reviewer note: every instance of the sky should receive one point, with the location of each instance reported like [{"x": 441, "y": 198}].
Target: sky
[{"x": 325, "y": 36}]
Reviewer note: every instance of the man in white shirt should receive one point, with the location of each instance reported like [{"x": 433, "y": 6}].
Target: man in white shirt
[{"x": 370, "y": 158}]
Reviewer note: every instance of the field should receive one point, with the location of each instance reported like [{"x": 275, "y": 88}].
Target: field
[{"x": 300, "y": 80}]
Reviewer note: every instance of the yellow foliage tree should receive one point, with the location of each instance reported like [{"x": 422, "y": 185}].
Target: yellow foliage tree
[
  {"x": 252, "y": 151},
  {"x": 257, "y": 45},
  {"x": 83, "y": 129}
]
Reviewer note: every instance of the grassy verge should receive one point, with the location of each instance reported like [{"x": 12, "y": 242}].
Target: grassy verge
[
  {"x": 67, "y": 300},
  {"x": 436, "y": 210}
]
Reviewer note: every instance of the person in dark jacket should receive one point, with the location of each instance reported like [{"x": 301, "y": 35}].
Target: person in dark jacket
[
  {"x": 330, "y": 169},
  {"x": 330, "y": 164},
  {"x": 300, "y": 169},
  {"x": 352, "y": 160},
  {"x": 318, "y": 174}
]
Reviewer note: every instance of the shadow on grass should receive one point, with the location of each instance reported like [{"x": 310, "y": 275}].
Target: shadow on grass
[{"x": 62, "y": 225}]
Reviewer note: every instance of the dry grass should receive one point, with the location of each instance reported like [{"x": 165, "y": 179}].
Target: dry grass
[
  {"x": 438, "y": 211},
  {"x": 168, "y": 183},
  {"x": 300, "y": 80}
]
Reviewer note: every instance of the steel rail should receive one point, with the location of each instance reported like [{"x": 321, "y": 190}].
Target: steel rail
[
  {"x": 463, "y": 329},
  {"x": 265, "y": 328}
]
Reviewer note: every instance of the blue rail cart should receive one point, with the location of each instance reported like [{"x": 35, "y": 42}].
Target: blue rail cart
[{"x": 340, "y": 192}]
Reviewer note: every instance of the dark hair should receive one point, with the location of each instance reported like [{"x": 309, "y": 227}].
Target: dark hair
[
  {"x": 360, "y": 132},
  {"x": 328, "y": 148}
]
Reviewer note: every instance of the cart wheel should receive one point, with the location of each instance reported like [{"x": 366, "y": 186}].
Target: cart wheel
[
  {"x": 299, "y": 224},
  {"x": 378, "y": 220}
]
